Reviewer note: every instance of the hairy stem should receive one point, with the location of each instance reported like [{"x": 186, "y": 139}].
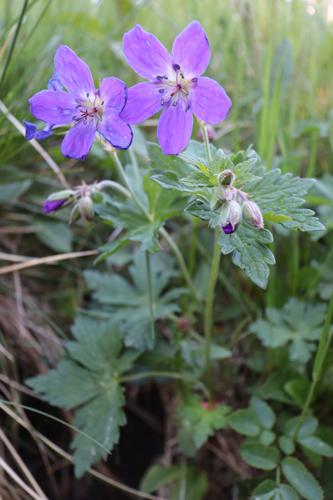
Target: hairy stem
[
  {"x": 208, "y": 316},
  {"x": 150, "y": 295},
  {"x": 214, "y": 271}
]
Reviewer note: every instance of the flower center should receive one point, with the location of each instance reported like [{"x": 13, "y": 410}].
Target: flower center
[
  {"x": 90, "y": 108},
  {"x": 175, "y": 88}
]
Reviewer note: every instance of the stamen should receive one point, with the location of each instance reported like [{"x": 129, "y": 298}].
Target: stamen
[
  {"x": 176, "y": 67},
  {"x": 194, "y": 80}
]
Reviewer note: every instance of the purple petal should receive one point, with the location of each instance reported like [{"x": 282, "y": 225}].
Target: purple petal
[
  {"x": 191, "y": 50},
  {"x": 113, "y": 92},
  {"x": 55, "y": 83},
  {"x": 146, "y": 54},
  {"x": 73, "y": 73},
  {"x": 52, "y": 205},
  {"x": 174, "y": 129},
  {"x": 115, "y": 131},
  {"x": 228, "y": 228},
  {"x": 79, "y": 139},
  {"x": 143, "y": 101},
  {"x": 210, "y": 102},
  {"x": 53, "y": 106},
  {"x": 31, "y": 131}
]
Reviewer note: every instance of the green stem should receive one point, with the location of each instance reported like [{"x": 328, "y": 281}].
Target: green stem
[
  {"x": 181, "y": 261},
  {"x": 324, "y": 343},
  {"x": 208, "y": 317},
  {"x": 150, "y": 295},
  {"x": 162, "y": 231},
  {"x": 124, "y": 180},
  {"x": 206, "y": 141}
]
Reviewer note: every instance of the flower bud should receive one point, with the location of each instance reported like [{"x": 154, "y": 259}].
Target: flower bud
[
  {"x": 252, "y": 214},
  {"x": 226, "y": 178},
  {"x": 231, "y": 215},
  {"x": 86, "y": 207},
  {"x": 57, "y": 200}
]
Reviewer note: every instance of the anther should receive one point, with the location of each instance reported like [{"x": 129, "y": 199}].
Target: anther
[{"x": 176, "y": 67}]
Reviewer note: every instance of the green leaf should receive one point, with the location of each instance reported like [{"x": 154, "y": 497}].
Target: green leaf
[
  {"x": 245, "y": 422},
  {"x": 10, "y": 191},
  {"x": 298, "y": 389},
  {"x": 301, "y": 479},
  {"x": 157, "y": 476},
  {"x": 198, "y": 421},
  {"x": 248, "y": 246},
  {"x": 284, "y": 194},
  {"x": 298, "y": 325},
  {"x": 192, "y": 484},
  {"x": 263, "y": 411},
  {"x": 266, "y": 438},
  {"x": 55, "y": 235},
  {"x": 259, "y": 456},
  {"x": 269, "y": 490},
  {"x": 305, "y": 427},
  {"x": 317, "y": 445},
  {"x": 87, "y": 381},
  {"x": 127, "y": 302},
  {"x": 286, "y": 445}
]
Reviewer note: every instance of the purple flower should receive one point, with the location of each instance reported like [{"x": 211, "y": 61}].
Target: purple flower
[
  {"x": 175, "y": 85},
  {"x": 53, "y": 205},
  {"x": 87, "y": 109}
]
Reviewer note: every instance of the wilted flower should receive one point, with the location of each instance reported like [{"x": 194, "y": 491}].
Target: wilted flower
[
  {"x": 252, "y": 214},
  {"x": 32, "y": 132},
  {"x": 88, "y": 110},
  {"x": 175, "y": 85}
]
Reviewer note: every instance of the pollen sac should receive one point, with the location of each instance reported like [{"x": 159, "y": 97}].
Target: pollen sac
[
  {"x": 226, "y": 178},
  {"x": 252, "y": 214}
]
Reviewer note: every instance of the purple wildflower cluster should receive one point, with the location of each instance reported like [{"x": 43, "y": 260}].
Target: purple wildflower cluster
[{"x": 175, "y": 86}]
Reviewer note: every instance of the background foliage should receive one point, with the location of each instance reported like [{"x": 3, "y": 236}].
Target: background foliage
[{"x": 274, "y": 59}]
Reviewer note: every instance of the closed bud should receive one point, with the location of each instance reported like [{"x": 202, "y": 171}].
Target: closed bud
[
  {"x": 226, "y": 178},
  {"x": 86, "y": 207},
  {"x": 252, "y": 214},
  {"x": 231, "y": 215},
  {"x": 58, "y": 200}
]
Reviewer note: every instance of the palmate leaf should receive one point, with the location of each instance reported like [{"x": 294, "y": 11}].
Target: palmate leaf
[
  {"x": 87, "y": 381},
  {"x": 198, "y": 421},
  {"x": 279, "y": 196},
  {"x": 297, "y": 324},
  {"x": 127, "y": 302},
  {"x": 283, "y": 195}
]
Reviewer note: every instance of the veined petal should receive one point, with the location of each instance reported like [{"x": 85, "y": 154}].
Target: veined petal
[
  {"x": 146, "y": 54},
  {"x": 210, "y": 102},
  {"x": 79, "y": 139},
  {"x": 53, "y": 106},
  {"x": 174, "y": 129},
  {"x": 118, "y": 133},
  {"x": 191, "y": 50},
  {"x": 114, "y": 93},
  {"x": 143, "y": 101},
  {"x": 73, "y": 73}
]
